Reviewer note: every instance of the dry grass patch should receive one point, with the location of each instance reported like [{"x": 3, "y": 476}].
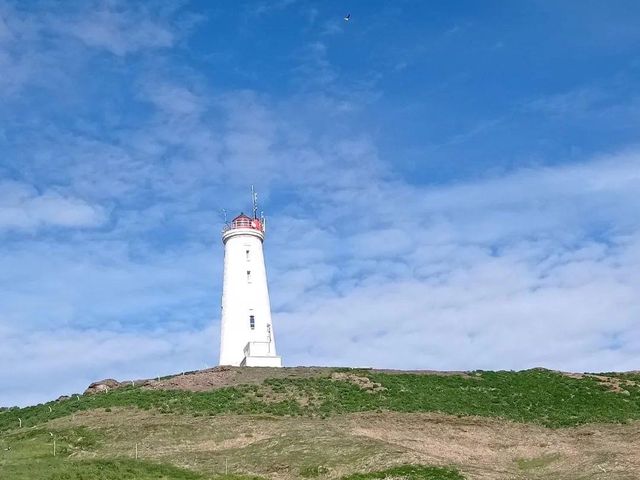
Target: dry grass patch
[
  {"x": 485, "y": 448},
  {"x": 292, "y": 447},
  {"x": 277, "y": 447}
]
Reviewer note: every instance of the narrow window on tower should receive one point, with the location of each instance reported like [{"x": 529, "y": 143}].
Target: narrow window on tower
[
  {"x": 249, "y": 276},
  {"x": 252, "y": 322},
  {"x": 248, "y": 258}
]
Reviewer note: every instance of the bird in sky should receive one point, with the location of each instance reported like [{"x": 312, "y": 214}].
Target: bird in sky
[{"x": 347, "y": 17}]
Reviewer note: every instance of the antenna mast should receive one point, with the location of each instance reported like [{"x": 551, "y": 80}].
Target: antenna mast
[{"x": 254, "y": 202}]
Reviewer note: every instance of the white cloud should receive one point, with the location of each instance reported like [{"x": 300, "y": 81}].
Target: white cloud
[
  {"x": 175, "y": 100},
  {"x": 118, "y": 30},
  {"x": 23, "y": 208},
  {"x": 577, "y": 101},
  {"x": 36, "y": 47},
  {"x": 73, "y": 311},
  {"x": 504, "y": 311},
  {"x": 63, "y": 361},
  {"x": 19, "y": 59},
  {"x": 539, "y": 267}
]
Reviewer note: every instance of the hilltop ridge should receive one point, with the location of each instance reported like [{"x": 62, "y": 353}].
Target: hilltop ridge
[
  {"x": 227, "y": 376},
  {"x": 335, "y": 423}
]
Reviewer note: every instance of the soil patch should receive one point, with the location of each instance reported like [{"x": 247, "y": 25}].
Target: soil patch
[{"x": 219, "y": 377}]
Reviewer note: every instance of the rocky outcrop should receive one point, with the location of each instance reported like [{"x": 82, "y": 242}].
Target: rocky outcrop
[{"x": 102, "y": 386}]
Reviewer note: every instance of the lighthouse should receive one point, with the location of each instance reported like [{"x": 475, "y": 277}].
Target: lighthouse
[{"x": 246, "y": 332}]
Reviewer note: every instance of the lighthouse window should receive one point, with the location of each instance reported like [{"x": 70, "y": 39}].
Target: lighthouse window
[
  {"x": 247, "y": 252},
  {"x": 252, "y": 322},
  {"x": 249, "y": 276}
]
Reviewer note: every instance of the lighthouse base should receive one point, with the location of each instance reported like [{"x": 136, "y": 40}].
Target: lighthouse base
[
  {"x": 260, "y": 354},
  {"x": 261, "y": 362}
]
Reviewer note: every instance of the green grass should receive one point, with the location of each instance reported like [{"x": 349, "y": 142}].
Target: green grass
[
  {"x": 66, "y": 469},
  {"x": 38, "y": 442},
  {"x": 126, "y": 469},
  {"x": 410, "y": 472},
  {"x": 533, "y": 396},
  {"x": 312, "y": 472}
]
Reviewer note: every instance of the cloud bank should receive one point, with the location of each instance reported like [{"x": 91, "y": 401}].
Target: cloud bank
[{"x": 118, "y": 153}]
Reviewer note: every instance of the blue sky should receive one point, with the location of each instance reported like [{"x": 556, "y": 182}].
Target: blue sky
[{"x": 449, "y": 185}]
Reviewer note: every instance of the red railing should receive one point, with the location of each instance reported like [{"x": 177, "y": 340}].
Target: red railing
[{"x": 252, "y": 223}]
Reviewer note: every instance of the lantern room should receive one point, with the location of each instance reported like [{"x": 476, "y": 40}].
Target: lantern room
[
  {"x": 244, "y": 221},
  {"x": 244, "y": 225}
]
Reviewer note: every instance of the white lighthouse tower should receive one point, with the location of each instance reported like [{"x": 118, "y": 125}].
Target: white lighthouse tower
[{"x": 246, "y": 332}]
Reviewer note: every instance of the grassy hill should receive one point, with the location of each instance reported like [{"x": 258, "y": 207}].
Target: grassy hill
[{"x": 239, "y": 423}]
